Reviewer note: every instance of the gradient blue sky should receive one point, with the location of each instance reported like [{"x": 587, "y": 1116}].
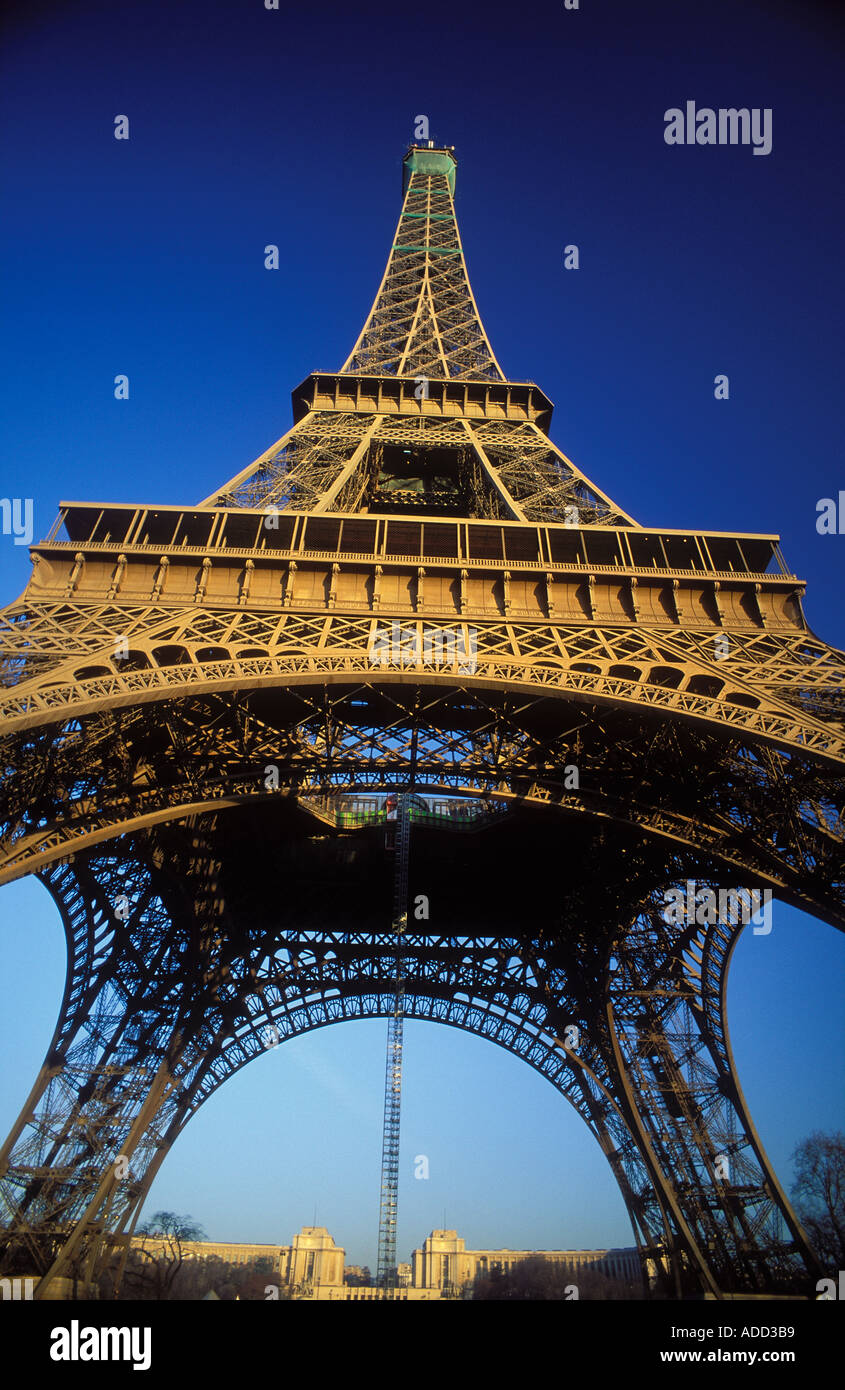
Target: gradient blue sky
[{"x": 145, "y": 257}]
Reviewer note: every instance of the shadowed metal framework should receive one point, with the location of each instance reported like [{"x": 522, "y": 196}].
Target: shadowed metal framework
[
  {"x": 398, "y": 841},
  {"x": 412, "y": 590}
]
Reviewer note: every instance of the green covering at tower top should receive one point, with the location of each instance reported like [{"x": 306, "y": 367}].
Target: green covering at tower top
[{"x": 428, "y": 160}]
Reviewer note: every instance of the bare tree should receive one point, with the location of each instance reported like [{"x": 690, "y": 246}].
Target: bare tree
[
  {"x": 159, "y": 1265},
  {"x": 818, "y": 1193}
]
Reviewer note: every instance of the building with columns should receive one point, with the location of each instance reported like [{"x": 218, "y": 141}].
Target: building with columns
[
  {"x": 313, "y": 1266},
  {"x": 312, "y": 1260},
  {"x": 443, "y": 1262}
]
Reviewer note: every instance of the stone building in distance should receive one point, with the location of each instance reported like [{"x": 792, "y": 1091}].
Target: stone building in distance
[
  {"x": 313, "y": 1266},
  {"x": 444, "y": 1263}
]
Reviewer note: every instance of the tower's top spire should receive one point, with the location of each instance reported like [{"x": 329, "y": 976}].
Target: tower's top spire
[
  {"x": 429, "y": 158},
  {"x": 450, "y": 434},
  {"x": 425, "y": 322}
]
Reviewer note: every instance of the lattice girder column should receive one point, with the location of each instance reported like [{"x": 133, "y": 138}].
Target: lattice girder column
[
  {"x": 424, "y": 319},
  {"x": 677, "y": 1084},
  {"x": 523, "y": 992},
  {"x": 74, "y": 1161}
]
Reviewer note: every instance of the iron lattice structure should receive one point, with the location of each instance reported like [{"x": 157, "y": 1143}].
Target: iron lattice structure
[
  {"x": 386, "y": 1272},
  {"x": 412, "y": 589}
]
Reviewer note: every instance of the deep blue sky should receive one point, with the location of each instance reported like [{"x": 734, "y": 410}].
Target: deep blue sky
[{"x": 146, "y": 257}]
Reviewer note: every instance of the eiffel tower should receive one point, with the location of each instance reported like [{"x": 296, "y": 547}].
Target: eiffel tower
[{"x": 413, "y": 591}]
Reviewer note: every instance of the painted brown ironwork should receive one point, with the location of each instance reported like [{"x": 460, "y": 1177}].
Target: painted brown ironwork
[{"x": 413, "y": 589}]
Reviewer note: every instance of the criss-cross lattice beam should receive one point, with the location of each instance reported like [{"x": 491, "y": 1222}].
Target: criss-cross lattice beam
[
  {"x": 424, "y": 326},
  {"x": 424, "y": 320},
  {"x": 608, "y": 1003},
  {"x": 651, "y": 703},
  {"x": 771, "y": 813},
  {"x": 389, "y": 1195}
]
